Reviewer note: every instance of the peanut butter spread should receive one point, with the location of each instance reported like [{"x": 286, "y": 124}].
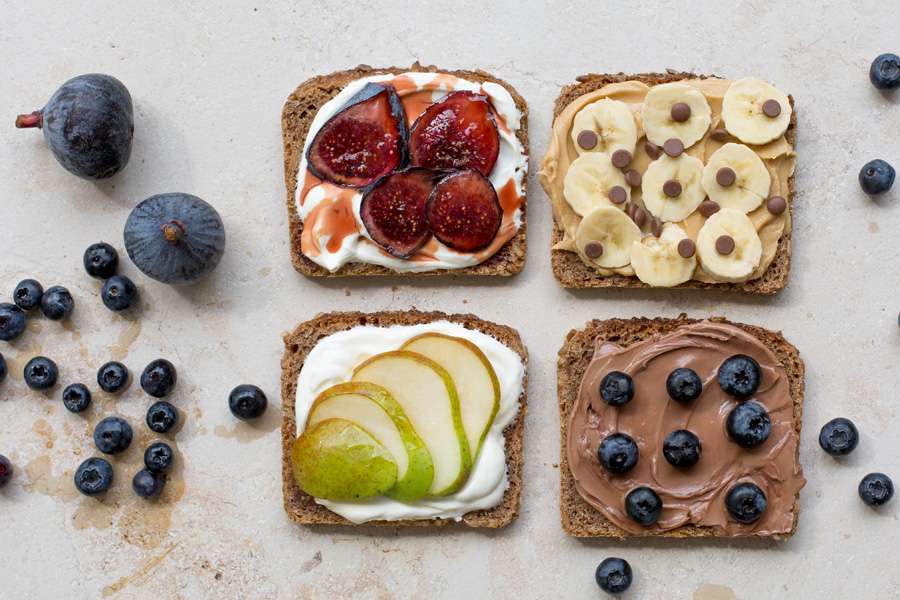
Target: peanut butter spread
[{"x": 695, "y": 495}]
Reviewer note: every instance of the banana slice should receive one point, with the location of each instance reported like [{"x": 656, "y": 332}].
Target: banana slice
[
  {"x": 604, "y": 126},
  {"x": 736, "y": 177},
  {"x": 657, "y": 260},
  {"x": 728, "y": 246},
  {"x": 671, "y": 187},
  {"x": 755, "y": 112},
  {"x": 675, "y": 110},
  {"x": 590, "y": 183},
  {"x": 605, "y": 236}
]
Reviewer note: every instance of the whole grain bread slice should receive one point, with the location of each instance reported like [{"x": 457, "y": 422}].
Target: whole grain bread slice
[
  {"x": 296, "y": 117},
  {"x": 573, "y": 273},
  {"x": 301, "y": 507},
  {"x": 579, "y": 518}
]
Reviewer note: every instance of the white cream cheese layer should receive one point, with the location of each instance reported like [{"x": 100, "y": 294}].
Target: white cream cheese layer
[
  {"x": 332, "y": 362},
  {"x": 511, "y": 165}
]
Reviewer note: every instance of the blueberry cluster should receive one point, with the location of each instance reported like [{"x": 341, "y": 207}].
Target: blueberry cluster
[
  {"x": 877, "y": 176},
  {"x": 101, "y": 261},
  {"x": 839, "y": 437},
  {"x": 56, "y": 303}
]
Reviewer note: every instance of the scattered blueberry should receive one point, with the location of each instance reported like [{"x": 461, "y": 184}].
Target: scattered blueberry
[
  {"x": 876, "y": 177},
  {"x": 76, "y": 397},
  {"x": 613, "y": 575},
  {"x": 739, "y": 376},
  {"x": 101, "y": 260},
  {"x": 57, "y": 303},
  {"x": 27, "y": 294},
  {"x": 159, "y": 456},
  {"x": 161, "y": 417},
  {"x": 247, "y": 402},
  {"x": 112, "y": 435},
  {"x": 40, "y": 373},
  {"x": 118, "y": 293},
  {"x": 616, "y": 388},
  {"x": 2, "y": 368},
  {"x": 94, "y": 476},
  {"x": 684, "y": 385},
  {"x": 112, "y": 377},
  {"x": 682, "y": 448},
  {"x": 749, "y": 424},
  {"x": 643, "y": 505},
  {"x": 147, "y": 484},
  {"x": 839, "y": 437},
  {"x": 885, "y": 72},
  {"x": 159, "y": 378},
  {"x": 876, "y": 489},
  {"x": 746, "y": 502},
  {"x": 618, "y": 453},
  {"x": 6, "y": 470},
  {"x": 12, "y": 321}
]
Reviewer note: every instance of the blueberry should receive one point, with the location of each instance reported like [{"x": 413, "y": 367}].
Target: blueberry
[
  {"x": 739, "y": 376},
  {"x": 101, "y": 260},
  {"x": 6, "y": 470},
  {"x": 682, "y": 448},
  {"x": 613, "y": 575},
  {"x": 746, "y": 502},
  {"x": 40, "y": 373},
  {"x": 876, "y": 488},
  {"x": 94, "y": 476},
  {"x": 876, "y": 177},
  {"x": 684, "y": 385},
  {"x": 159, "y": 378},
  {"x": 57, "y": 303},
  {"x": 159, "y": 456},
  {"x": 12, "y": 321},
  {"x": 749, "y": 424},
  {"x": 112, "y": 377},
  {"x": 247, "y": 402},
  {"x": 2, "y": 368},
  {"x": 643, "y": 505},
  {"x": 27, "y": 295},
  {"x": 161, "y": 417},
  {"x": 118, "y": 293},
  {"x": 885, "y": 72},
  {"x": 616, "y": 388},
  {"x": 147, "y": 484},
  {"x": 839, "y": 437},
  {"x": 618, "y": 453},
  {"x": 112, "y": 435},
  {"x": 76, "y": 397}
]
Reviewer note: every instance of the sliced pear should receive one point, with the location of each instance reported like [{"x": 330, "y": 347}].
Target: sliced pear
[
  {"x": 476, "y": 382},
  {"x": 374, "y": 409},
  {"x": 339, "y": 460},
  {"x": 428, "y": 396}
]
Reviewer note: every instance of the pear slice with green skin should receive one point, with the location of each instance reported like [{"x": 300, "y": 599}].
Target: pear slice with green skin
[
  {"x": 374, "y": 409},
  {"x": 339, "y": 460},
  {"x": 474, "y": 376},
  {"x": 426, "y": 393}
]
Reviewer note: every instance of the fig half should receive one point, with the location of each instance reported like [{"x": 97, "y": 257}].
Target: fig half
[
  {"x": 393, "y": 211},
  {"x": 464, "y": 211}
]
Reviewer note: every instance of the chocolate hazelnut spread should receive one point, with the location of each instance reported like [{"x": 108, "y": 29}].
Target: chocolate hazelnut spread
[{"x": 695, "y": 495}]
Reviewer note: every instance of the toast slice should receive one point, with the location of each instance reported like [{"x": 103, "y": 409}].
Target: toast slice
[
  {"x": 573, "y": 273},
  {"x": 301, "y": 507},
  {"x": 579, "y": 518},
  {"x": 296, "y": 117}
]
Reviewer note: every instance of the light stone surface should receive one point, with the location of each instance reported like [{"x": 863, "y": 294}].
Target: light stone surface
[{"x": 208, "y": 85}]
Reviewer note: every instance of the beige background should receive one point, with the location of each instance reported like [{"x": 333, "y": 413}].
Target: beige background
[{"x": 208, "y": 85}]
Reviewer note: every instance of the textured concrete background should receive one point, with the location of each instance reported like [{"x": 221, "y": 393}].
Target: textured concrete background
[{"x": 208, "y": 86}]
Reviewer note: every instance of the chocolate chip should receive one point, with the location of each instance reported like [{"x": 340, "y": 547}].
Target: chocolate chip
[
  {"x": 708, "y": 208},
  {"x": 639, "y": 216},
  {"x": 593, "y": 250},
  {"x": 771, "y": 108},
  {"x": 621, "y": 158},
  {"x": 673, "y": 147},
  {"x": 672, "y": 188},
  {"x": 680, "y": 112},
  {"x": 725, "y": 244},
  {"x": 725, "y": 176},
  {"x": 656, "y": 226},
  {"x": 720, "y": 134},
  {"x": 776, "y": 205},
  {"x": 652, "y": 150},
  {"x": 686, "y": 248},
  {"x": 587, "y": 139},
  {"x": 617, "y": 194},
  {"x": 633, "y": 177}
]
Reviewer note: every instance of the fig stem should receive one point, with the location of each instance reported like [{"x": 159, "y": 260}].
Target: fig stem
[
  {"x": 173, "y": 231},
  {"x": 35, "y": 119}
]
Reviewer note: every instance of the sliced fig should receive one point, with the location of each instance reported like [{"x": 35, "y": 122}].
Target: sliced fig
[
  {"x": 464, "y": 211},
  {"x": 364, "y": 141},
  {"x": 458, "y": 132},
  {"x": 393, "y": 211}
]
